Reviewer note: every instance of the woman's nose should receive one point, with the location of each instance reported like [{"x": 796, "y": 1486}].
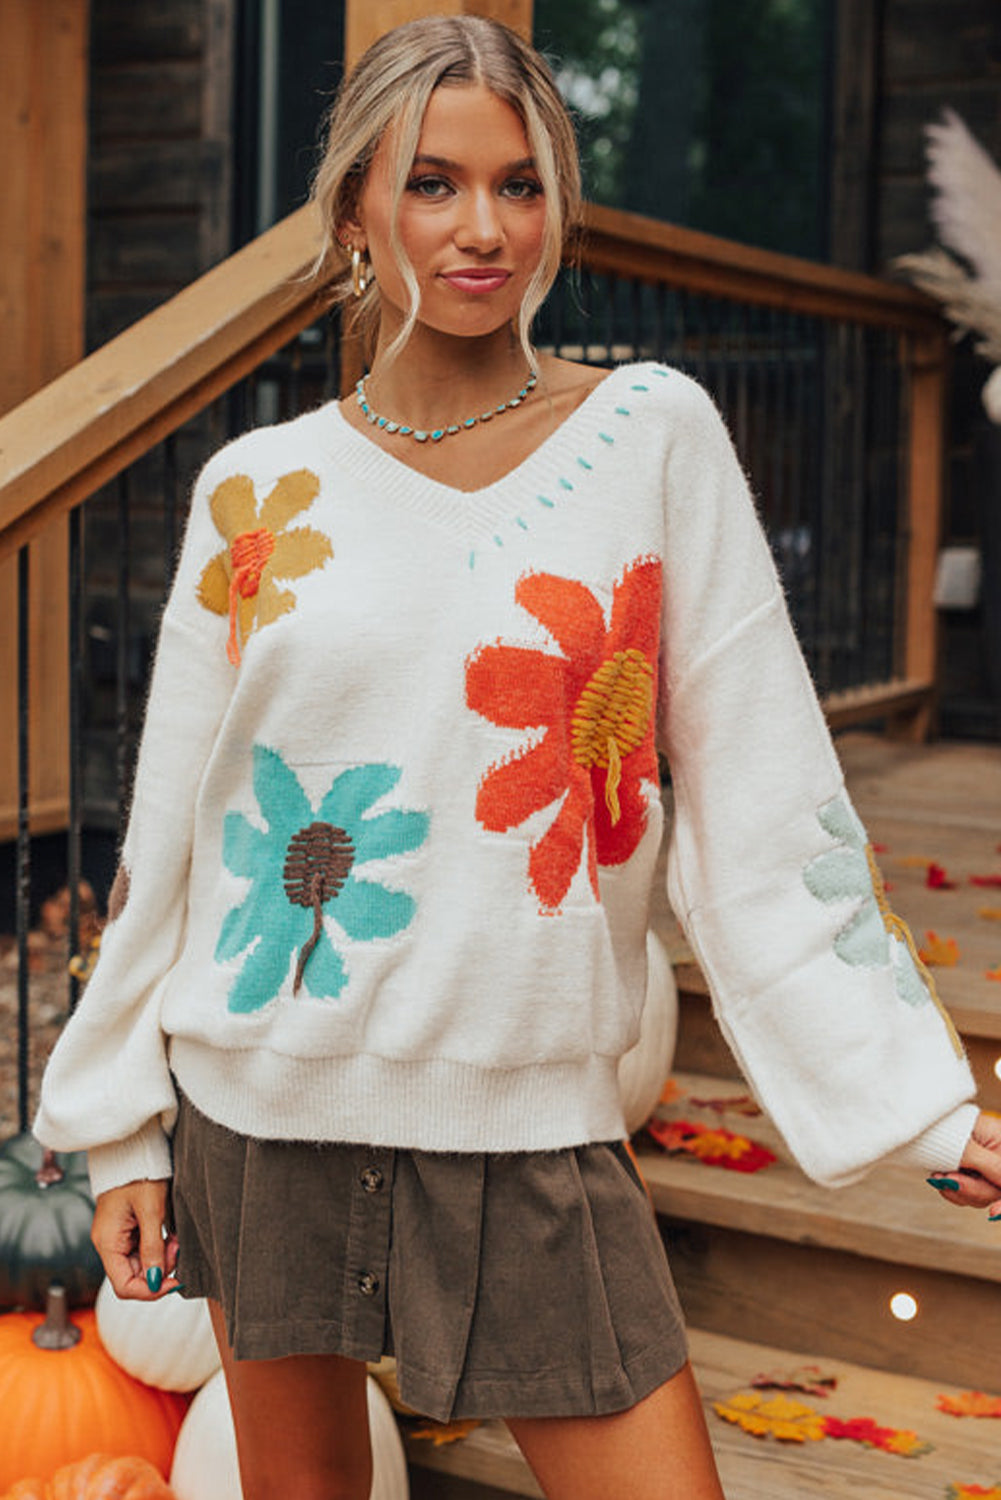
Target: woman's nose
[{"x": 479, "y": 226}]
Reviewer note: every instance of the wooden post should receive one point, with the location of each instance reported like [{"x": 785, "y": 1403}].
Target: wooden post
[
  {"x": 367, "y": 20},
  {"x": 925, "y": 476},
  {"x": 43, "y": 132}
]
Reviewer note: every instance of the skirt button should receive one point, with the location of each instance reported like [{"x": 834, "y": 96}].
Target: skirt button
[
  {"x": 368, "y": 1284},
  {"x": 371, "y": 1179}
]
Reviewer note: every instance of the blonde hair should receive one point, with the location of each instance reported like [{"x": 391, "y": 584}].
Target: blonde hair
[{"x": 392, "y": 83}]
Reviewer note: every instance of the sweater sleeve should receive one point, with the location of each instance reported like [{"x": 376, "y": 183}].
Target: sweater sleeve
[
  {"x": 107, "y": 1087},
  {"x": 816, "y": 985}
]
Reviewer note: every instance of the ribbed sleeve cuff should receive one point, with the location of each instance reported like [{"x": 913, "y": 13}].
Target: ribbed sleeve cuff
[
  {"x": 941, "y": 1146},
  {"x": 143, "y": 1155}
]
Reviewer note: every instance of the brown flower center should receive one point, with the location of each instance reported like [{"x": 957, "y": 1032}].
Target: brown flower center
[
  {"x": 611, "y": 718},
  {"x": 318, "y": 861}
]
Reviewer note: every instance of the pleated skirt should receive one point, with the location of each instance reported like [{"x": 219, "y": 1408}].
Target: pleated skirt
[{"x": 505, "y": 1285}]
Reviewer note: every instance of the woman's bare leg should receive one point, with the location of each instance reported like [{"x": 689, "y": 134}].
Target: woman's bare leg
[
  {"x": 657, "y": 1450},
  {"x": 301, "y": 1424}
]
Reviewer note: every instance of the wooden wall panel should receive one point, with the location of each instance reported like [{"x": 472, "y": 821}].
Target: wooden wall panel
[
  {"x": 366, "y": 20},
  {"x": 43, "y": 94}
]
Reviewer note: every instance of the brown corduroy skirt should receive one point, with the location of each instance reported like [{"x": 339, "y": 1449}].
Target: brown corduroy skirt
[{"x": 513, "y": 1285}]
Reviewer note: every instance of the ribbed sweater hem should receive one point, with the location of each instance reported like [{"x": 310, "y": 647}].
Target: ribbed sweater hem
[{"x": 425, "y": 1105}]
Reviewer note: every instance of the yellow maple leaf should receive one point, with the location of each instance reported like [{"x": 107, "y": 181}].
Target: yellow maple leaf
[
  {"x": 440, "y": 1433},
  {"x": 906, "y": 1443},
  {"x": 970, "y": 1404},
  {"x": 720, "y": 1143},
  {"x": 943, "y": 952},
  {"x": 779, "y": 1417},
  {"x": 670, "y": 1092}
]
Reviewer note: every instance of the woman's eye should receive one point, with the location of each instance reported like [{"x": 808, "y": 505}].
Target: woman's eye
[
  {"x": 428, "y": 187},
  {"x": 523, "y": 187}
]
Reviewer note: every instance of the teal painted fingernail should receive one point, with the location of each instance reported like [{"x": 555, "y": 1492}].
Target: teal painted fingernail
[
  {"x": 944, "y": 1182},
  {"x": 994, "y": 1218},
  {"x": 154, "y": 1278},
  {"x": 179, "y": 1287}
]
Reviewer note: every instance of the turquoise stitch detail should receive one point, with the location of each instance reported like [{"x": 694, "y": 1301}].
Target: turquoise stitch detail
[
  {"x": 623, "y": 411},
  {"x": 304, "y": 864},
  {"x": 584, "y": 463},
  {"x": 844, "y": 874},
  {"x": 664, "y": 374},
  {"x": 605, "y": 438},
  {"x": 498, "y": 539},
  {"x": 544, "y": 501},
  {"x": 522, "y": 522},
  {"x": 565, "y": 483},
  {"x": 472, "y": 559},
  {"x": 639, "y": 387}
]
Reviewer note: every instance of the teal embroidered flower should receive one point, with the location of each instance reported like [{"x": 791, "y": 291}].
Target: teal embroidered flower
[
  {"x": 303, "y": 869},
  {"x": 873, "y": 936}
]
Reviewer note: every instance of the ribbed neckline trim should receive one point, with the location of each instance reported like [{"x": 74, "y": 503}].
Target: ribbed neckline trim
[{"x": 544, "y": 476}]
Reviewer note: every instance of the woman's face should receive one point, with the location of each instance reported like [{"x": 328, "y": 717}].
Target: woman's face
[{"x": 470, "y": 220}]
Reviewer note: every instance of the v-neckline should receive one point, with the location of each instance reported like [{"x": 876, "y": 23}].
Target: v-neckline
[{"x": 404, "y": 478}]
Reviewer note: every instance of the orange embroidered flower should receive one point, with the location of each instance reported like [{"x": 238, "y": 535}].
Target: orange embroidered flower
[
  {"x": 239, "y": 581},
  {"x": 595, "y": 701}
]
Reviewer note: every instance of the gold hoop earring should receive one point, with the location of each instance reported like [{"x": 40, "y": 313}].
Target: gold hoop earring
[{"x": 360, "y": 273}]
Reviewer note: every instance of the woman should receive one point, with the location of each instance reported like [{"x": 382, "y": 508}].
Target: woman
[{"x": 377, "y": 940}]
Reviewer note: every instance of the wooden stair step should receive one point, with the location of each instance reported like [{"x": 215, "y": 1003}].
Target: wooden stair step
[
  {"x": 892, "y": 1214},
  {"x": 773, "y": 1257},
  {"x": 965, "y": 1450}
]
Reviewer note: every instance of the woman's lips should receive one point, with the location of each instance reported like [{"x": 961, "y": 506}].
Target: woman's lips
[{"x": 477, "y": 281}]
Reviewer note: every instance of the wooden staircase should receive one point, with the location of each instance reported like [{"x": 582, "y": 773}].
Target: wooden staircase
[{"x": 774, "y": 1272}]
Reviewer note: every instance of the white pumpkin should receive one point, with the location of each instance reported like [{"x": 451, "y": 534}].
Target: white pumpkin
[
  {"x": 168, "y": 1344},
  {"x": 205, "y": 1464},
  {"x": 644, "y": 1069}
]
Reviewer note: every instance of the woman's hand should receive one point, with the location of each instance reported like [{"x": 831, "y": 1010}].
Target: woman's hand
[
  {"x": 128, "y": 1235},
  {"x": 978, "y": 1181}
]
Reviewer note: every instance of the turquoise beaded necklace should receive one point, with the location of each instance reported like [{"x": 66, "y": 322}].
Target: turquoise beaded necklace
[{"x": 435, "y": 435}]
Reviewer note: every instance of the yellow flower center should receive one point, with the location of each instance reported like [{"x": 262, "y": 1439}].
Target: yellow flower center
[{"x": 611, "y": 718}]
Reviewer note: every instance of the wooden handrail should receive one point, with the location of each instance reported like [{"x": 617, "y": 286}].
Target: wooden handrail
[
  {"x": 74, "y": 435},
  {"x": 630, "y": 245}
]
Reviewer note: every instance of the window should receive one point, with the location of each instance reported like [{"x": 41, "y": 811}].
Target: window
[{"x": 709, "y": 113}]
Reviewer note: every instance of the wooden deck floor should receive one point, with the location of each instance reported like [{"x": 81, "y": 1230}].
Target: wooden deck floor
[
  {"x": 940, "y": 803},
  {"x": 959, "y": 1450}
]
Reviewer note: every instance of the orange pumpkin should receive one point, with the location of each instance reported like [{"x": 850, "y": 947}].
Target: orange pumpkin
[
  {"x": 58, "y": 1405},
  {"x": 96, "y": 1477}
]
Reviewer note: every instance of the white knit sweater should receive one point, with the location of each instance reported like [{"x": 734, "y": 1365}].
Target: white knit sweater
[{"x": 388, "y": 867}]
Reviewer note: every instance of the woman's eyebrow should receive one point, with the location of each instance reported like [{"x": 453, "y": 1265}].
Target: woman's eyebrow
[{"x": 524, "y": 163}]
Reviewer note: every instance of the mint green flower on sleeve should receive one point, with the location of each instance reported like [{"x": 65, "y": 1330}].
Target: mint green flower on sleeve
[
  {"x": 873, "y": 936},
  {"x": 303, "y": 870}
]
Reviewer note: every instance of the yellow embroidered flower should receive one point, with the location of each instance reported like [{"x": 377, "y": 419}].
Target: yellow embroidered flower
[{"x": 260, "y": 548}]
